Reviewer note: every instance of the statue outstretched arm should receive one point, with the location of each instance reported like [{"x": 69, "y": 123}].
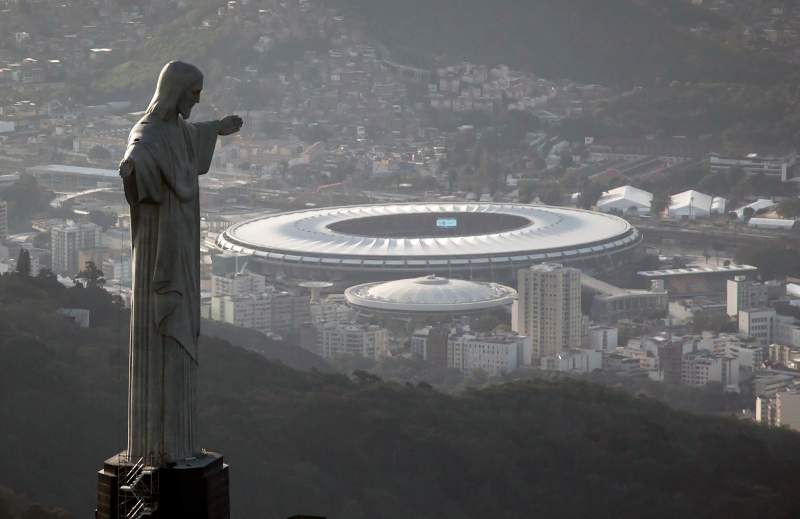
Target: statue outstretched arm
[
  {"x": 204, "y": 137},
  {"x": 230, "y": 124}
]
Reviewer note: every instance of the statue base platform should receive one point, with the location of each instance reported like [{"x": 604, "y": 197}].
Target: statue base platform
[{"x": 195, "y": 487}]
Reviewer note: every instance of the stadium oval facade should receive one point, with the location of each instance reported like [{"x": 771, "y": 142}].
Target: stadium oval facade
[{"x": 471, "y": 240}]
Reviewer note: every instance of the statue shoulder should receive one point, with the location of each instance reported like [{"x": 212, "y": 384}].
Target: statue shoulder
[{"x": 147, "y": 131}]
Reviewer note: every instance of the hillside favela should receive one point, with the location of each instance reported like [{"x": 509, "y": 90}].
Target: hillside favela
[{"x": 395, "y": 259}]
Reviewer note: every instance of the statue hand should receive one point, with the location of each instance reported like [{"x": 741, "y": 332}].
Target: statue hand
[
  {"x": 230, "y": 124},
  {"x": 126, "y": 167}
]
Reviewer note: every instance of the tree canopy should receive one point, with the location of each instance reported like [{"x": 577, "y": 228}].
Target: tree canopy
[
  {"x": 91, "y": 276},
  {"x": 25, "y": 198},
  {"x": 328, "y": 444},
  {"x": 789, "y": 208},
  {"x": 774, "y": 261},
  {"x": 24, "y": 263}
]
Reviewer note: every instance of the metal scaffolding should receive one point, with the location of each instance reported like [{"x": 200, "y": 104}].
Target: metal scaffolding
[{"x": 138, "y": 491}]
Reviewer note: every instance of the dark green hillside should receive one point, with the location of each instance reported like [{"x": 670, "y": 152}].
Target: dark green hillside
[
  {"x": 622, "y": 42},
  {"x": 309, "y": 442},
  {"x": 14, "y": 506},
  {"x": 252, "y": 340}
]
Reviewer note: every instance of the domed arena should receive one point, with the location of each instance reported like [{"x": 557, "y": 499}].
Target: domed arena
[
  {"x": 487, "y": 241},
  {"x": 429, "y": 295}
]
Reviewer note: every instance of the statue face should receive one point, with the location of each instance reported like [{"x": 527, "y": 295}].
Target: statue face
[{"x": 190, "y": 97}]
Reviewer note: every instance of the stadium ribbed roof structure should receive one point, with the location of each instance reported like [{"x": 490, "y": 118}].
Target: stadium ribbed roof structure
[{"x": 430, "y": 237}]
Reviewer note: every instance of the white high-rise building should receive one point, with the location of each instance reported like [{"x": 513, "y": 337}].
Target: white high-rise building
[
  {"x": 548, "y": 309},
  {"x": 337, "y": 339},
  {"x": 745, "y": 295},
  {"x": 69, "y": 238}
]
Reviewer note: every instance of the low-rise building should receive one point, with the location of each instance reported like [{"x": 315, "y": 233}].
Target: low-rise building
[
  {"x": 767, "y": 382},
  {"x": 701, "y": 367},
  {"x": 331, "y": 309},
  {"x": 758, "y": 323},
  {"x": 750, "y": 353},
  {"x": 783, "y": 355},
  {"x": 573, "y": 361},
  {"x": 787, "y": 331},
  {"x": 493, "y": 353},
  {"x": 67, "y": 178},
  {"x": 694, "y": 204},
  {"x": 251, "y": 311},
  {"x": 245, "y": 299},
  {"x": 342, "y": 339},
  {"x": 610, "y": 304},
  {"x": 623, "y": 366},
  {"x": 780, "y": 224},
  {"x": 602, "y": 338},
  {"x": 753, "y": 164},
  {"x": 647, "y": 360},
  {"x": 625, "y": 199}
]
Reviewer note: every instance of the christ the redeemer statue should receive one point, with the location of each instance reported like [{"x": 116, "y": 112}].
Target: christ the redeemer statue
[{"x": 160, "y": 171}]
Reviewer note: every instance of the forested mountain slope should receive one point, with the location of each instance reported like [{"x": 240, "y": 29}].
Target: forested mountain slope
[
  {"x": 625, "y": 42},
  {"x": 310, "y": 442}
]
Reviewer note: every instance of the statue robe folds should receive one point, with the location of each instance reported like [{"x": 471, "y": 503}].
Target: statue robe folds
[{"x": 163, "y": 194}]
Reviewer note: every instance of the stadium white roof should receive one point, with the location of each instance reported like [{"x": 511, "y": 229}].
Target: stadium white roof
[
  {"x": 429, "y": 294},
  {"x": 550, "y": 234}
]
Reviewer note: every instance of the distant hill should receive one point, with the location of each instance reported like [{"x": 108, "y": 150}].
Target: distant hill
[
  {"x": 623, "y": 42},
  {"x": 223, "y": 48},
  {"x": 317, "y": 443}
]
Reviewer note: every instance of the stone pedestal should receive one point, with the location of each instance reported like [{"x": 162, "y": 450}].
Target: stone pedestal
[{"x": 196, "y": 488}]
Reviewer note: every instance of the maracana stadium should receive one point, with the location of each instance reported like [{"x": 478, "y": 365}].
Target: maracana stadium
[{"x": 488, "y": 241}]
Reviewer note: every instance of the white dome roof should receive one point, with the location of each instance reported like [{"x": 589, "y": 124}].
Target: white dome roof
[{"x": 430, "y": 294}]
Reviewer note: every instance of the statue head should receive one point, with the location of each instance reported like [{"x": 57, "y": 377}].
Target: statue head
[{"x": 178, "y": 90}]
